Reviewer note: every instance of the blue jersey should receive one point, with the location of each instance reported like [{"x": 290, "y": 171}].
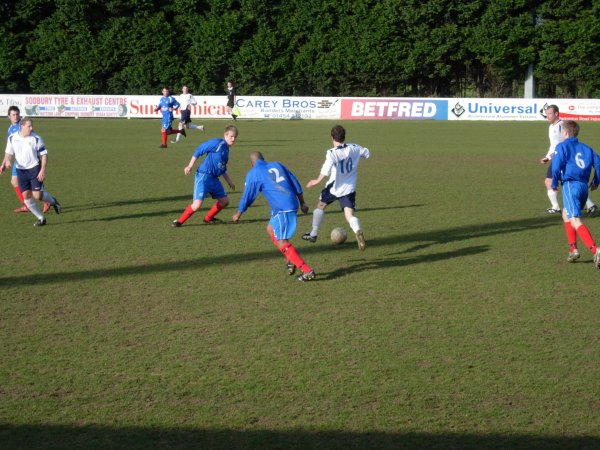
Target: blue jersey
[
  {"x": 166, "y": 105},
  {"x": 13, "y": 128},
  {"x": 573, "y": 161},
  {"x": 217, "y": 156},
  {"x": 279, "y": 186}
]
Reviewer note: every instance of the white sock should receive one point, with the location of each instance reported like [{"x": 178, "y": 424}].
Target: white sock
[
  {"x": 553, "y": 196},
  {"x": 589, "y": 203},
  {"x": 318, "y": 215},
  {"x": 178, "y": 134},
  {"x": 33, "y": 208},
  {"x": 191, "y": 125},
  {"x": 47, "y": 198},
  {"x": 354, "y": 224}
]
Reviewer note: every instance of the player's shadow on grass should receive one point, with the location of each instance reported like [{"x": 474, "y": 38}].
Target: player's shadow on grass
[
  {"x": 383, "y": 263},
  {"x": 130, "y": 202},
  {"x": 132, "y": 438},
  {"x": 174, "y": 212},
  {"x": 427, "y": 238},
  {"x": 443, "y": 236}
]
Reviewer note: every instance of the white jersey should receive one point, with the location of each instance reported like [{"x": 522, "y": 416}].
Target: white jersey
[
  {"x": 185, "y": 100},
  {"x": 341, "y": 166},
  {"x": 556, "y": 137},
  {"x": 26, "y": 150}
]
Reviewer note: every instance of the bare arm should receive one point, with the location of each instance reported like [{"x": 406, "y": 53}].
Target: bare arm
[
  {"x": 236, "y": 217},
  {"x": 229, "y": 182},
  {"x": 316, "y": 181},
  {"x": 303, "y": 205},
  {"x": 187, "y": 169},
  {"x": 6, "y": 163},
  {"x": 42, "y": 173}
]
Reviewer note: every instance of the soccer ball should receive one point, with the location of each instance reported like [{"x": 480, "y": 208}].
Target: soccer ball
[{"x": 338, "y": 236}]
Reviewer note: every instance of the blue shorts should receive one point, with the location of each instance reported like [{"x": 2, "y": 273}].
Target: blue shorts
[
  {"x": 549, "y": 171},
  {"x": 207, "y": 184},
  {"x": 167, "y": 121},
  {"x": 28, "y": 179},
  {"x": 284, "y": 225},
  {"x": 346, "y": 201},
  {"x": 574, "y": 194}
]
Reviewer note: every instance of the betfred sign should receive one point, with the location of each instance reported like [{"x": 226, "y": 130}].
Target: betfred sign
[{"x": 394, "y": 109}]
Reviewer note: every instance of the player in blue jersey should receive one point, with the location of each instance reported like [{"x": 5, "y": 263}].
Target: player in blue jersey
[
  {"x": 572, "y": 166},
  {"x": 31, "y": 159},
  {"x": 284, "y": 193},
  {"x": 14, "y": 115},
  {"x": 166, "y": 106},
  {"x": 556, "y": 136},
  {"x": 206, "y": 182}
]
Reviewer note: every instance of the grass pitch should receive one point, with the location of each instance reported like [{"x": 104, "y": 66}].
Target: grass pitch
[{"x": 460, "y": 326}]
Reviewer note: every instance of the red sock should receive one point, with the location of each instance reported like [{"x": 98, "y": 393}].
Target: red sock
[
  {"x": 586, "y": 237},
  {"x": 187, "y": 213},
  {"x": 212, "y": 212},
  {"x": 164, "y": 137},
  {"x": 291, "y": 254},
  {"x": 19, "y": 194},
  {"x": 571, "y": 235}
]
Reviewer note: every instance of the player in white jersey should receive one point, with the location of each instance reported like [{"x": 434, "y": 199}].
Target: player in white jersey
[
  {"x": 555, "y": 136},
  {"x": 341, "y": 166},
  {"x": 31, "y": 158},
  {"x": 185, "y": 121}
]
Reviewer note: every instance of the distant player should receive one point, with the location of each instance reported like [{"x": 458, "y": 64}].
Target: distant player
[
  {"x": 166, "y": 106},
  {"x": 185, "y": 120},
  {"x": 341, "y": 166},
  {"x": 231, "y": 96},
  {"x": 572, "y": 165},
  {"x": 207, "y": 176},
  {"x": 31, "y": 159},
  {"x": 555, "y": 137},
  {"x": 284, "y": 193}
]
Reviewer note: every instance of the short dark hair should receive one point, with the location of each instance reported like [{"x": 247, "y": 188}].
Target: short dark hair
[
  {"x": 14, "y": 108},
  {"x": 554, "y": 107},
  {"x": 338, "y": 133}
]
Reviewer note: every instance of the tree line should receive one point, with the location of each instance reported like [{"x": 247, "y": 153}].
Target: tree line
[{"x": 419, "y": 48}]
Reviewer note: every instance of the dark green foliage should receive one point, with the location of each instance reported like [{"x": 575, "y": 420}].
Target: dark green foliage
[{"x": 313, "y": 47}]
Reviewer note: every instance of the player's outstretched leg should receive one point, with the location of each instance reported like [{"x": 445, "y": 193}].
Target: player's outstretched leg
[
  {"x": 355, "y": 225},
  {"x": 23, "y": 207},
  {"x": 572, "y": 239},
  {"x": 591, "y": 207},
  {"x": 317, "y": 221},
  {"x": 33, "y": 209},
  {"x": 360, "y": 240},
  {"x": 187, "y": 213},
  {"x": 216, "y": 208},
  {"x": 291, "y": 254}
]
